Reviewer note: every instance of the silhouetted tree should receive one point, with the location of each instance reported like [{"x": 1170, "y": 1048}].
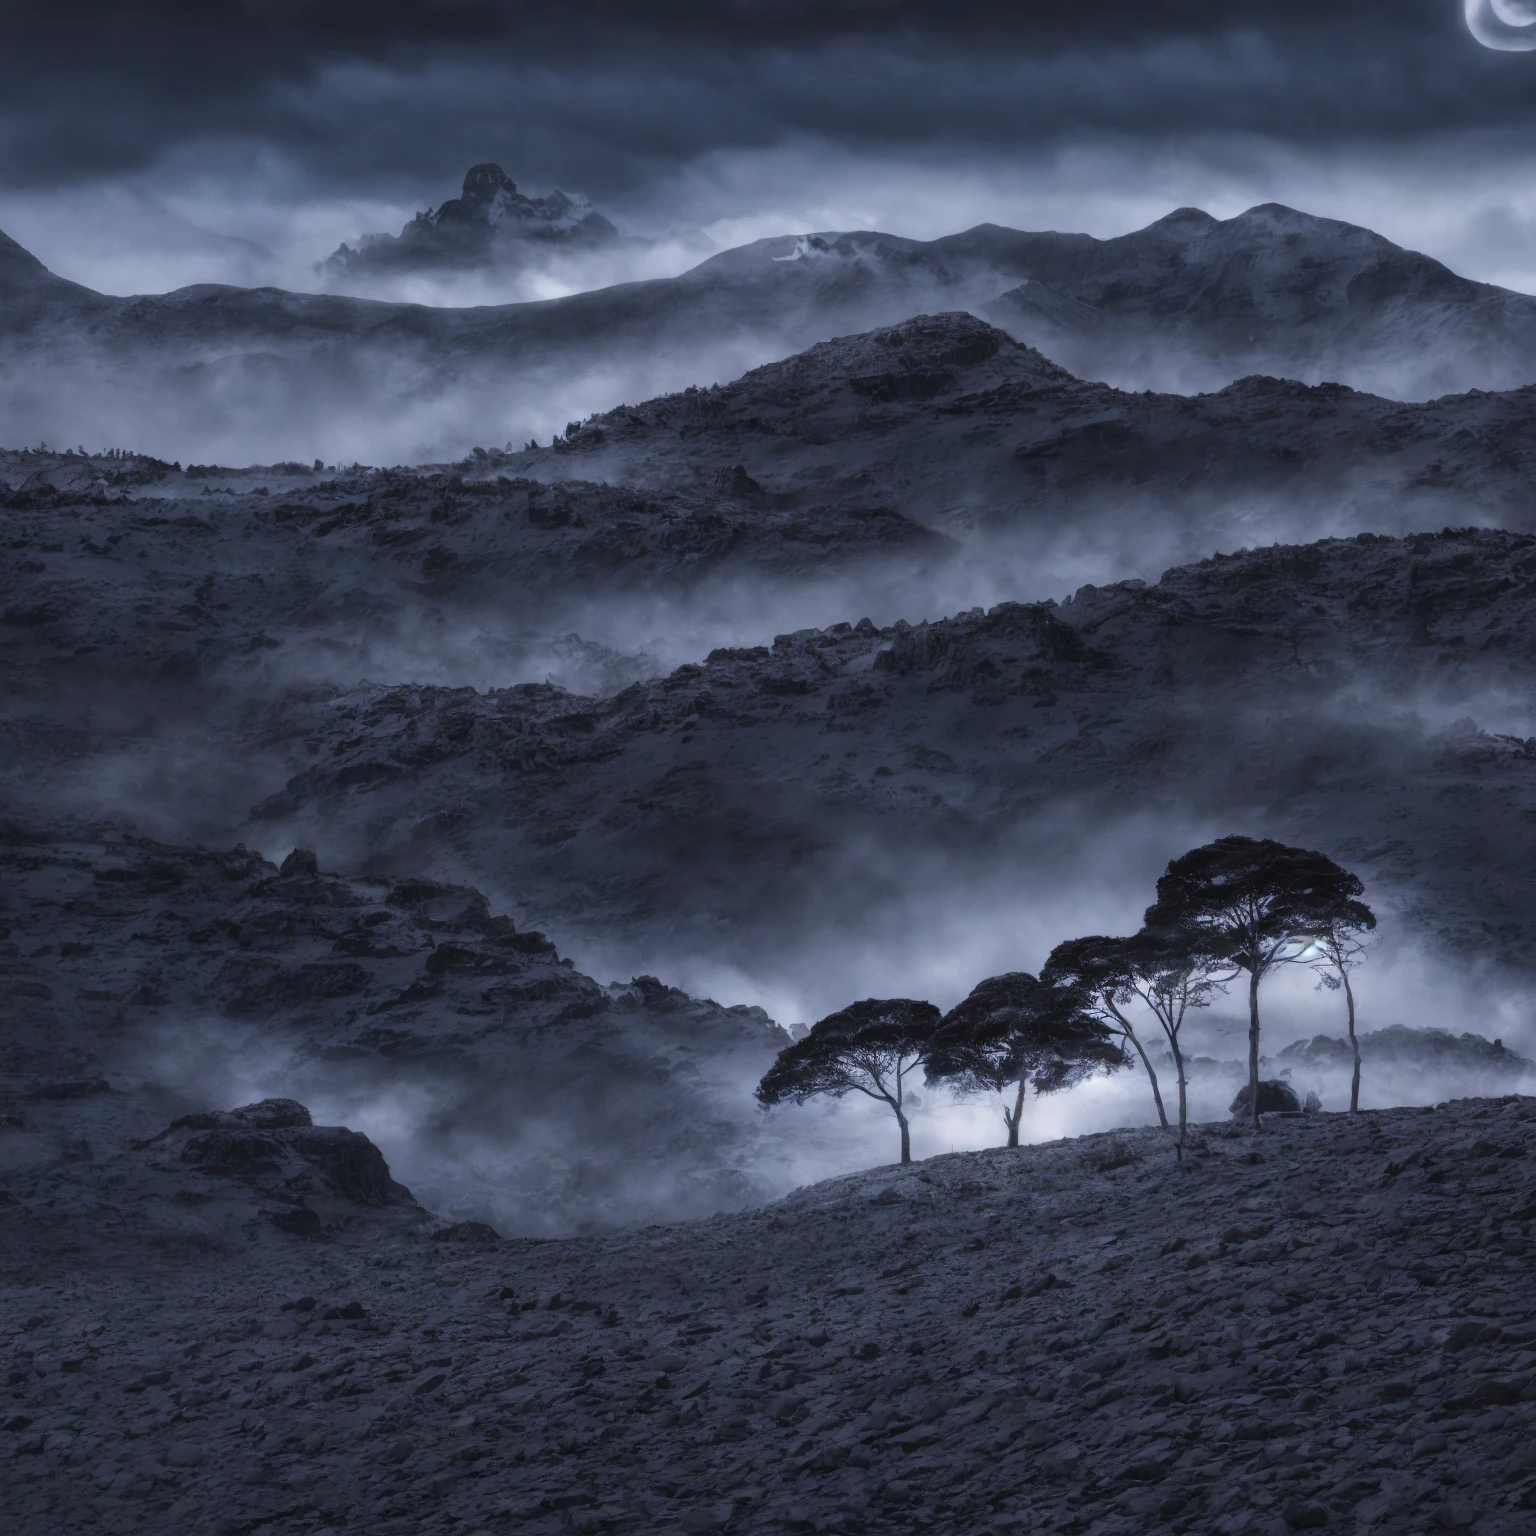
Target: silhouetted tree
[
  {"x": 1165, "y": 971},
  {"x": 1094, "y": 970},
  {"x": 1258, "y": 904},
  {"x": 867, "y": 1048},
  {"x": 1338, "y": 948},
  {"x": 1012, "y": 1031}
]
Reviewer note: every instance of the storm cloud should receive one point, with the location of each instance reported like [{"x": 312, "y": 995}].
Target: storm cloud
[{"x": 614, "y": 96}]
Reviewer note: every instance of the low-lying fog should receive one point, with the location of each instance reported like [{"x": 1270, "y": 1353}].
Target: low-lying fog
[
  {"x": 464, "y": 1158},
  {"x": 231, "y": 217},
  {"x": 939, "y": 921}
]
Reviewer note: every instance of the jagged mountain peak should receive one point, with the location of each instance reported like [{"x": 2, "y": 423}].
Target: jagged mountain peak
[
  {"x": 491, "y": 197},
  {"x": 483, "y": 183},
  {"x": 490, "y": 223}
]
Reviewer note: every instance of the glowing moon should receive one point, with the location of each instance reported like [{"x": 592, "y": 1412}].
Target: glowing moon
[{"x": 1508, "y": 25}]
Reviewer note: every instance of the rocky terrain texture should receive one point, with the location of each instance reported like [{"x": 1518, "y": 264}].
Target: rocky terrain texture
[
  {"x": 1190, "y": 302},
  {"x": 827, "y": 479},
  {"x": 490, "y": 223},
  {"x": 128, "y": 569},
  {"x": 1326, "y": 1327},
  {"x": 951, "y": 422},
  {"x": 512, "y": 1084},
  {"x": 1327, "y": 694}
]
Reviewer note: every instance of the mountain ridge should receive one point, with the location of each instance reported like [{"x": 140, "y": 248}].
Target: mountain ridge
[{"x": 1141, "y": 310}]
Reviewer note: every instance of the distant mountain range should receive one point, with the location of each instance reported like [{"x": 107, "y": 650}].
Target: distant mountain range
[
  {"x": 1191, "y": 302},
  {"x": 1188, "y": 302}
]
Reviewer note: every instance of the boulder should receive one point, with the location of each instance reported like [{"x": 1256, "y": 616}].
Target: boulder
[{"x": 1274, "y": 1094}]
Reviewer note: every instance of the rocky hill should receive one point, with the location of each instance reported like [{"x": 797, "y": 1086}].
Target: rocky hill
[
  {"x": 1355, "y": 695},
  {"x": 240, "y": 576},
  {"x": 951, "y": 422},
  {"x": 506, "y": 1083},
  {"x": 199, "y": 661},
  {"x": 1323, "y": 1328},
  {"x": 821, "y": 484}
]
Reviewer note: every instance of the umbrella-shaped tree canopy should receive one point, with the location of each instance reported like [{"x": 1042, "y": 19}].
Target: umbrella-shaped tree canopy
[
  {"x": 867, "y": 1048},
  {"x": 1012, "y": 1031}
]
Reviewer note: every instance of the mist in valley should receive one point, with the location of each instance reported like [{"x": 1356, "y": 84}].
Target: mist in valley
[
  {"x": 551, "y": 560},
  {"x": 196, "y": 736},
  {"x": 483, "y": 1150}
]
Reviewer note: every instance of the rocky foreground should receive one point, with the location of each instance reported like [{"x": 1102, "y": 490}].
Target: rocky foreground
[{"x": 1328, "y": 1327}]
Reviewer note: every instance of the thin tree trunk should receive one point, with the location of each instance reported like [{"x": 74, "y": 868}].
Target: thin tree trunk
[
  {"x": 1354, "y": 1044},
  {"x": 1013, "y": 1120},
  {"x": 1253, "y": 1042},
  {"x": 1146, "y": 1061},
  {"x": 901, "y": 1119},
  {"x": 1178, "y": 1062}
]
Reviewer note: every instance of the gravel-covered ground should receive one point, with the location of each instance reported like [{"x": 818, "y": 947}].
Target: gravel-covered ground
[{"x": 1329, "y": 1327}]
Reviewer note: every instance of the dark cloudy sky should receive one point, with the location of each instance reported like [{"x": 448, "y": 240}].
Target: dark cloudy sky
[
  {"x": 608, "y": 94},
  {"x": 719, "y": 112}
]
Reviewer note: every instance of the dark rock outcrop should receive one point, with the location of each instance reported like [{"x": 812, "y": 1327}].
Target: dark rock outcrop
[
  {"x": 489, "y": 224},
  {"x": 275, "y": 1147}
]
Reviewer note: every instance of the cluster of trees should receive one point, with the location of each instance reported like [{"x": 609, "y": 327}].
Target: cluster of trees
[{"x": 1236, "y": 907}]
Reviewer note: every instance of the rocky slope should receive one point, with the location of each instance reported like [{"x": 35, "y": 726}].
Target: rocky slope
[
  {"x": 192, "y": 649},
  {"x": 951, "y": 422},
  {"x": 1324, "y": 1328},
  {"x": 127, "y": 569},
  {"x": 489, "y": 224},
  {"x": 825, "y": 481},
  {"x": 1361, "y": 696},
  {"x": 506, "y": 1083}
]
